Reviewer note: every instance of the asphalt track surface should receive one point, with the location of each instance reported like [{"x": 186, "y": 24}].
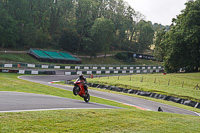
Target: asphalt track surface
[
  {"x": 17, "y": 102},
  {"x": 43, "y": 102}
]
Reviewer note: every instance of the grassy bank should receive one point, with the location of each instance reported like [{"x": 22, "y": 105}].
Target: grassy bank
[
  {"x": 95, "y": 121},
  {"x": 18, "y": 58},
  {"x": 178, "y": 85},
  {"x": 108, "y": 60},
  {"x": 114, "y": 61}
]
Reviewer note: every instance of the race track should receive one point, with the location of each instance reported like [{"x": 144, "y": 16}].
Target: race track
[
  {"x": 132, "y": 101},
  {"x": 17, "y": 102}
]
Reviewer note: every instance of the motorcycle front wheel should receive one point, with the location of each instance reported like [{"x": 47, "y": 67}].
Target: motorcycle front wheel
[
  {"x": 87, "y": 98},
  {"x": 75, "y": 90}
]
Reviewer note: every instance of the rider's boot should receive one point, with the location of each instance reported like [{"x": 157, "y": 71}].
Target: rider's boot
[{"x": 86, "y": 90}]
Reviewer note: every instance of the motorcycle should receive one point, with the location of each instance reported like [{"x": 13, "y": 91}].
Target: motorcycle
[{"x": 79, "y": 90}]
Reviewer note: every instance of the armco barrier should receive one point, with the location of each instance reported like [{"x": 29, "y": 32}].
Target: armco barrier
[
  {"x": 28, "y": 72},
  {"x": 37, "y": 72},
  {"x": 29, "y": 65},
  {"x": 147, "y": 94},
  {"x": 115, "y": 72},
  {"x": 9, "y": 71}
]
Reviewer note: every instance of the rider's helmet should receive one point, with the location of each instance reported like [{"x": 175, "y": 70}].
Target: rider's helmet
[{"x": 81, "y": 76}]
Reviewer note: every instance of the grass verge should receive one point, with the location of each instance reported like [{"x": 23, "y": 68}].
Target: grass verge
[{"x": 95, "y": 121}]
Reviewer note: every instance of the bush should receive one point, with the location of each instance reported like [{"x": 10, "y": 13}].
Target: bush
[{"x": 122, "y": 56}]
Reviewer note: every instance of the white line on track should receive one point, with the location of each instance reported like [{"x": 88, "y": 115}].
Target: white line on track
[{"x": 12, "y": 111}]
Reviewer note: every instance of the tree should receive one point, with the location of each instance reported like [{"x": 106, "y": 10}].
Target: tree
[
  {"x": 182, "y": 41},
  {"x": 102, "y": 35},
  {"x": 40, "y": 23},
  {"x": 84, "y": 18},
  {"x": 8, "y": 29},
  {"x": 69, "y": 40},
  {"x": 145, "y": 35},
  {"x": 28, "y": 37},
  {"x": 160, "y": 47}
]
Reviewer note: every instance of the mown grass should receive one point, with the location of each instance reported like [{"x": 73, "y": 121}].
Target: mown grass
[
  {"x": 111, "y": 120},
  {"x": 170, "y": 84},
  {"x": 96, "y": 121}
]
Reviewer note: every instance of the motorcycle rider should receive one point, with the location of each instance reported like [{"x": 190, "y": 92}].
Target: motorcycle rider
[{"x": 83, "y": 79}]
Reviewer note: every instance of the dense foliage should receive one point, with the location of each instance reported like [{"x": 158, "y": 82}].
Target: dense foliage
[
  {"x": 88, "y": 26},
  {"x": 122, "y": 56},
  {"x": 180, "y": 46}
]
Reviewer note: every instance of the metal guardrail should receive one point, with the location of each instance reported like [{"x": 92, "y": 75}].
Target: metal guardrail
[
  {"x": 77, "y": 67},
  {"x": 114, "y": 65},
  {"x": 96, "y": 72},
  {"x": 15, "y": 52}
]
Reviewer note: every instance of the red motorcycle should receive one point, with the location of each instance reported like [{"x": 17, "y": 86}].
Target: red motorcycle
[{"x": 79, "y": 90}]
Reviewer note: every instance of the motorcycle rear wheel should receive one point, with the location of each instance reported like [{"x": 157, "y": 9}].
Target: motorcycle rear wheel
[{"x": 87, "y": 98}]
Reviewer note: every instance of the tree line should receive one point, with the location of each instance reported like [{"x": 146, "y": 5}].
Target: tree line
[
  {"x": 87, "y": 26},
  {"x": 180, "y": 46}
]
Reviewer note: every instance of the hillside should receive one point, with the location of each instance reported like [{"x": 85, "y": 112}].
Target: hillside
[{"x": 8, "y": 57}]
